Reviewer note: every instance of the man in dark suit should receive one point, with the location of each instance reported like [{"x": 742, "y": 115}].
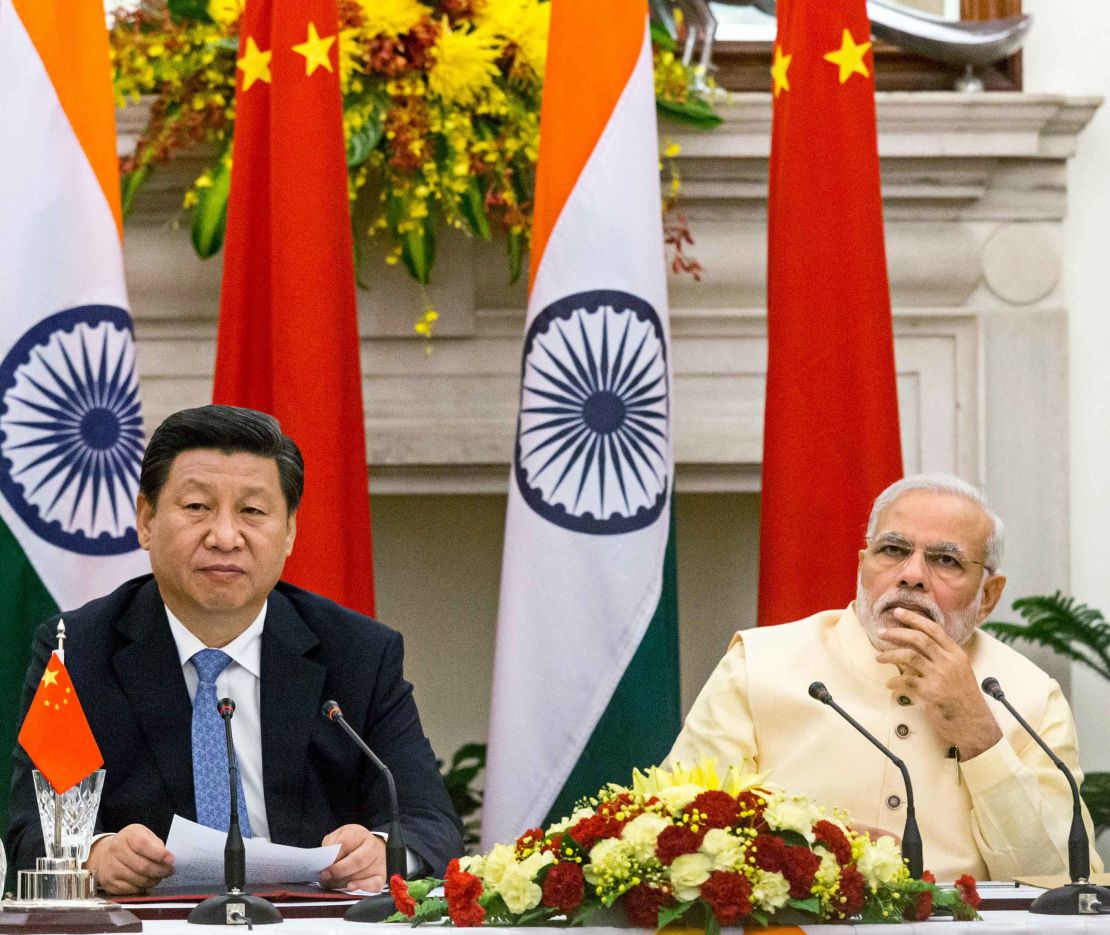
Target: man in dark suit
[{"x": 218, "y": 494}]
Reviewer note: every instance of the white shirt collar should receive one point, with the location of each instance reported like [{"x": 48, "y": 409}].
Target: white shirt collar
[{"x": 245, "y": 649}]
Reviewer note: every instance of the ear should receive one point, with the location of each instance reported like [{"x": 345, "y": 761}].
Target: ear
[
  {"x": 144, "y": 513},
  {"x": 290, "y": 533},
  {"x": 992, "y": 591}
]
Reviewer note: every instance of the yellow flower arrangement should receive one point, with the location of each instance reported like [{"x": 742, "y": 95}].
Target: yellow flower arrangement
[{"x": 441, "y": 107}]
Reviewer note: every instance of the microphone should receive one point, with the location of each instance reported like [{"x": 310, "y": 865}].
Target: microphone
[
  {"x": 911, "y": 836},
  {"x": 1079, "y": 897},
  {"x": 235, "y": 906},
  {"x": 377, "y": 907}
]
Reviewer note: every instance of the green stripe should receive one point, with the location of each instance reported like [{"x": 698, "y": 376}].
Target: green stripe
[
  {"x": 24, "y": 603},
  {"x": 645, "y": 713}
]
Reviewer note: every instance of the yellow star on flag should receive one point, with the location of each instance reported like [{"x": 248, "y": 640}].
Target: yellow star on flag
[
  {"x": 255, "y": 64},
  {"x": 779, "y": 69},
  {"x": 315, "y": 50},
  {"x": 50, "y": 677},
  {"x": 849, "y": 57}
]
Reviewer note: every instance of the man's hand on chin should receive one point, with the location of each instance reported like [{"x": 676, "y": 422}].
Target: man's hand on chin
[
  {"x": 131, "y": 861},
  {"x": 935, "y": 671},
  {"x": 360, "y": 864}
]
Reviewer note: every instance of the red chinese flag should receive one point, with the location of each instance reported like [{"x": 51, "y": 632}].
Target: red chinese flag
[
  {"x": 831, "y": 441},
  {"x": 288, "y": 336},
  {"x": 55, "y": 733}
]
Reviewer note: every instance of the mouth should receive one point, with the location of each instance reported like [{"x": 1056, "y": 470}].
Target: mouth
[
  {"x": 222, "y": 571},
  {"x": 917, "y": 608}
]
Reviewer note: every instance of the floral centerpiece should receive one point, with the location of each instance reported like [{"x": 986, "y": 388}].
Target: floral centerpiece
[
  {"x": 685, "y": 844},
  {"x": 441, "y": 111}
]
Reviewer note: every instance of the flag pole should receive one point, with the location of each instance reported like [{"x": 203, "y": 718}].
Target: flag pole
[{"x": 57, "y": 795}]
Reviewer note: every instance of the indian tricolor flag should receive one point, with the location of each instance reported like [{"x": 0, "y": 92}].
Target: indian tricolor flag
[
  {"x": 70, "y": 427},
  {"x": 586, "y": 673}
]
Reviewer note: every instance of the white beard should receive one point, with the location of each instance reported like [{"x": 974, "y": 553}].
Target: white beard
[{"x": 958, "y": 624}]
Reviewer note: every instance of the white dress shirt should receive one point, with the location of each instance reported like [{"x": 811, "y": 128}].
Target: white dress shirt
[{"x": 241, "y": 682}]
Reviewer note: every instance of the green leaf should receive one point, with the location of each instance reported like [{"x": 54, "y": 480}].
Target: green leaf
[
  {"x": 210, "y": 213},
  {"x": 582, "y": 914},
  {"x": 430, "y": 910},
  {"x": 662, "y": 38},
  {"x": 712, "y": 926},
  {"x": 531, "y": 916},
  {"x": 793, "y": 839},
  {"x": 516, "y": 255},
  {"x": 361, "y": 143},
  {"x": 1056, "y": 622},
  {"x": 129, "y": 185},
  {"x": 693, "y": 110},
  {"x": 759, "y": 917},
  {"x": 473, "y": 209},
  {"x": 418, "y": 251},
  {"x": 812, "y": 904},
  {"x": 669, "y": 914},
  {"x": 195, "y": 10}
]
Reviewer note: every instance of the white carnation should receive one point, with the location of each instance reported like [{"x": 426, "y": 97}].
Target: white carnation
[
  {"x": 769, "y": 890},
  {"x": 793, "y": 813},
  {"x": 519, "y": 889},
  {"x": 676, "y": 798},
  {"x": 473, "y": 863},
  {"x": 687, "y": 873},
  {"x": 610, "y": 858},
  {"x": 643, "y": 833},
  {"x": 881, "y": 861},
  {"x": 723, "y": 849},
  {"x": 498, "y": 862}
]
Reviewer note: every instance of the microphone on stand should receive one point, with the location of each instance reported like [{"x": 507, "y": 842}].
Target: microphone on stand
[
  {"x": 379, "y": 906},
  {"x": 236, "y": 906},
  {"x": 1078, "y": 897},
  {"x": 911, "y": 836}
]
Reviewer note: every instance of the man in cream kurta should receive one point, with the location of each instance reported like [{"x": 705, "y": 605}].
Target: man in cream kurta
[{"x": 908, "y": 667}]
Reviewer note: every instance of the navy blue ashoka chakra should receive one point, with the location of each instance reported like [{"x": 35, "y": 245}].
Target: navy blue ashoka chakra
[
  {"x": 71, "y": 436},
  {"x": 593, "y": 439}
]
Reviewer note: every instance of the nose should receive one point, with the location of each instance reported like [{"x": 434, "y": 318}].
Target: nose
[
  {"x": 223, "y": 532},
  {"x": 914, "y": 573}
]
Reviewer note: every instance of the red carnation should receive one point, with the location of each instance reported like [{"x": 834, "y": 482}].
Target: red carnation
[
  {"x": 642, "y": 904},
  {"x": 564, "y": 887},
  {"x": 853, "y": 890},
  {"x": 835, "y": 840},
  {"x": 714, "y": 809},
  {"x": 589, "y": 831},
  {"x": 799, "y": 866},
  {"x": 965, "y": 886},
  {"x": 462, "y": 891},
  {"x": 752, "y": 806},
  {"x": 552, "y": 846},
  {"x": 676, "y": 840},
  {"x": 768, "y": 851},
  {"x": 530, "y": 841},
  {"x": 728, "y": 895},
  {"x": 399, "y": 890}
]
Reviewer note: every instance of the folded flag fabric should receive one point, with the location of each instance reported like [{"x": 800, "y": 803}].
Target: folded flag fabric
[{"x": 56, "y": 733}]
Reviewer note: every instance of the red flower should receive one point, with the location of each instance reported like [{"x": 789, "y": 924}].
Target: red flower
[
  {"x": 768, "y": 851},
  {"x": 399, "y": 890},
  {"x": 713, "y": 809},
  {"x": 799, "y": 866},
  {"x": 752, "y": 806},
  {"x": 531, "y": 840},
  {"x": 642, "y": 904},
  {"x": 676, "y": 840},
  {"x": 835, "y": 840},
  {"x": 564, "y": 887},
  {"x": 965, "y": 886},
  {"x": 462, "y": 891},
  {"x": 552, "y": 846},
  {"x": 853, "y": 890},
  {"x": 728, "y": 895},
  {"x": 589, "y": 831}
]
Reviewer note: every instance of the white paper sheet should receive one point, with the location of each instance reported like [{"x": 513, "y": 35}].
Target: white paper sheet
[{"x": 199, "y": 857}]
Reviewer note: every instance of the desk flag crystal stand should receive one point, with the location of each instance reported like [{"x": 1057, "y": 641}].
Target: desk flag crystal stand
[{"x": 58, "y": 895}]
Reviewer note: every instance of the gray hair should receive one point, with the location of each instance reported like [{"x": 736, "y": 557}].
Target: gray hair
[{"x": 951, "y": 484}]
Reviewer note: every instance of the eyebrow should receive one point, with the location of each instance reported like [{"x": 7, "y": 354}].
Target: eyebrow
[
  {"x": 949, "y": 548},
  {"x": 192, "y": 483}
]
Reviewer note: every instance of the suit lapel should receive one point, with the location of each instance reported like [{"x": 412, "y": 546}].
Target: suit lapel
[
  {"x": 291, "y": 695},
  {"x": 149, "y": 673}
]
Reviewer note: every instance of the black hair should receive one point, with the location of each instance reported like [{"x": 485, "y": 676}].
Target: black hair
[{"x": 231, "y": 430}]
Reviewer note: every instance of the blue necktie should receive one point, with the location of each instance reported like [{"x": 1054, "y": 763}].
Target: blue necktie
[{"x": 210, "y": 780}]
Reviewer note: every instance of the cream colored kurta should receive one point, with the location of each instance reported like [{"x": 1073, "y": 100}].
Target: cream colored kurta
[{"x": 1008, "y": 811}]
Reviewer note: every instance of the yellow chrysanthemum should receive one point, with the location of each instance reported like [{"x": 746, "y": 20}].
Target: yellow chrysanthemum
[
  {"x": 352, "y": 56},
  {"x": 226, "y": 12},
  {"x": 524, "y": 23},
  {"x": 463, "y": 64},
  {"x": 390, "y": 18}
]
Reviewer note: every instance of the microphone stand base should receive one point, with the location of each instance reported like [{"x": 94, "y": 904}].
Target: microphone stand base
[
  {"x": 235, "y": 909},
  {"x": 1073, "y": 899},
  {"x": 376, "y": 908}
]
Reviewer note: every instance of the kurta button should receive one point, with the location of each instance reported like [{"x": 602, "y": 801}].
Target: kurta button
[
  {"x": 902, "y": 730},
  {"x": 893, "y": 801},
  {"x": 904, "y": 700}
]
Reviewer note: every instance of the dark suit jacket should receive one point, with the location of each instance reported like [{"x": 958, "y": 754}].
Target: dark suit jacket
[{"x": 125, "y": 668}]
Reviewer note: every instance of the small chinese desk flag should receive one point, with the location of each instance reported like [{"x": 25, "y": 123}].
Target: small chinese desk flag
[{"x": 55, "y": 732}]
